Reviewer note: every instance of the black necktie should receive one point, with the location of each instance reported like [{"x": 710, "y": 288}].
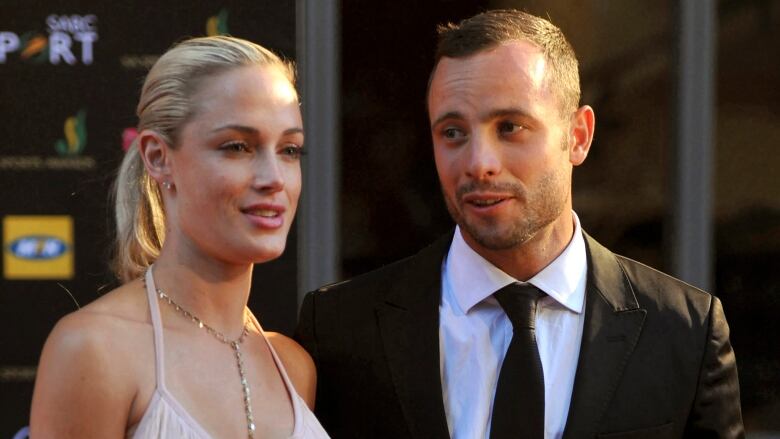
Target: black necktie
[{"x": 518, "y": 407}]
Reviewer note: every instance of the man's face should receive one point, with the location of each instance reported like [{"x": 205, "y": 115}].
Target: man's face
[{"x": 501, "y": 147}]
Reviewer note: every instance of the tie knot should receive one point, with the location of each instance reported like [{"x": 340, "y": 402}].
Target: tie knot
[{"x": 519, "y": 303}]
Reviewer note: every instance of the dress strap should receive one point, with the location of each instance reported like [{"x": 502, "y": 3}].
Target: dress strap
[
  {"x": 154, "y": 311},
  {"x": 295, "y": 399}
]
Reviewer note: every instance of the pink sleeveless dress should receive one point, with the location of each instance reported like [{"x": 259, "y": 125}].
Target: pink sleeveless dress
[{"x": 165, "y": 418}]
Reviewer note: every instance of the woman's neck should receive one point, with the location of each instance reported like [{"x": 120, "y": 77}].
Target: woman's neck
[{"x": 215, "y": 291}]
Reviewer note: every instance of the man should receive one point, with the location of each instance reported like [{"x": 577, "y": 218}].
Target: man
[{"x": 518, "y": 324}]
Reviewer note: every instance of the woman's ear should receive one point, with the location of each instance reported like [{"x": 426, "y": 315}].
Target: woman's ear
[{"x": 156, "y": 154}]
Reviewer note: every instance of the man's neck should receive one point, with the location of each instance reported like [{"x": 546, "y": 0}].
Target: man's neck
[{"x": 528, "y": 258}]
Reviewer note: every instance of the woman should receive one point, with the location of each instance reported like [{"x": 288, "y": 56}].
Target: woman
[{"x": 208, "y": 188}]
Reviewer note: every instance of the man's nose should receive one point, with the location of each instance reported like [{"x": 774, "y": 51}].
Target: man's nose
[{"x": 483, "y": 157}]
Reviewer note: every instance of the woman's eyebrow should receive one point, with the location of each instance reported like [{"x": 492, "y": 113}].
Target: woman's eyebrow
[{"x": 242, "y": 128}]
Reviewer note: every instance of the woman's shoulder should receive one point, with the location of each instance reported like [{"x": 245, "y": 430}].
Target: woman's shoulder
[
  {"x": 123, "y": 310},
  {"x": 98, "y": 331},
  {"x": 91, "y": 364},
  {"x": 126, "y": 302},
  {"x": 289, "y": 350},
  {"x": 298, "y": 364}
]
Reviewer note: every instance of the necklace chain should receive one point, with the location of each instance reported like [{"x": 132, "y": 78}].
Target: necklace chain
[{"x": 234, "y": 344}]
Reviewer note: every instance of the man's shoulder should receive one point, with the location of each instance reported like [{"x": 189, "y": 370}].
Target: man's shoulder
[
  {"x": 642, "y": 274},
  {"x": 653, "y": 290},
  {"x": 373, "y": 280},
  {"x": 664, "y": 294},
  {"x": 424, "y": 264}
]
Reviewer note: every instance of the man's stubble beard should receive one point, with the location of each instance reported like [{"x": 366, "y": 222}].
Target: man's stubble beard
[{"x": 538, "y": 209}]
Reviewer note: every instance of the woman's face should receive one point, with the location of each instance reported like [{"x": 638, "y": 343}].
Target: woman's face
[{"x": 236, "y": 173}]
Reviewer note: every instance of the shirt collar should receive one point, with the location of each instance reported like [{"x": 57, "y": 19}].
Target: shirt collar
[{"x": 472, "y": 278}]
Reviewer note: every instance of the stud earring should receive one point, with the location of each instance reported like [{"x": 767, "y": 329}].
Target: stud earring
[{"x": 166, "y": 185}]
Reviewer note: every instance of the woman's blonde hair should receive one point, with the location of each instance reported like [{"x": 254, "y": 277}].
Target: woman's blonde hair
[{"x": 164, "y": 107}]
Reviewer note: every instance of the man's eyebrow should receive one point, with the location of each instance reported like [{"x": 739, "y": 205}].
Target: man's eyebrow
[
  {"x": 448, "y": 115},
  {"x": 504, "y": 112},
  {"x": 494, "y": 114}
]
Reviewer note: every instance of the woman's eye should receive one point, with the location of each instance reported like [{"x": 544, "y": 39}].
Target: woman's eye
[
  {"x": 235, "y": 147},
  {"x": 293, "y": 151}
]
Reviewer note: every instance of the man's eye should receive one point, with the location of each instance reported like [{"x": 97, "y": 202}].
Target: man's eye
[
  {"x": 452, "y": 133},
  {"x": 235, "y": 146},
  {"x": 508, "y": 128}
]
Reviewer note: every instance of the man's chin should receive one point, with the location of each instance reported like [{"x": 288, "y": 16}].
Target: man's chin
[{"x": 489, "y": 238}]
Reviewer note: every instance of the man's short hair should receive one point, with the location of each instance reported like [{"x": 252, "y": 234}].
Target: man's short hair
[{"x": 489, "y": 29}]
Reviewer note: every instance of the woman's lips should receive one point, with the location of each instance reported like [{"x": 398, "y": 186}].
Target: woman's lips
[{"x": 265, "y": 216}]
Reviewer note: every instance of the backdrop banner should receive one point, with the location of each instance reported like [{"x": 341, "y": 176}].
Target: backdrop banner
[{"x": 70, "y": 76}]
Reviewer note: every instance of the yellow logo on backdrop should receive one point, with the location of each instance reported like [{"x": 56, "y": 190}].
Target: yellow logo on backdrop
[{"x": 37, "y": 247}]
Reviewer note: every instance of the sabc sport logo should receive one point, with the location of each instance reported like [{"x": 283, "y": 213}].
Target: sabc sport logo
[{"x": 70, "y": 40}]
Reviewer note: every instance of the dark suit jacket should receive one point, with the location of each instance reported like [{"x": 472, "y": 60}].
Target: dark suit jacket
[{"x": 655, "y": 359}]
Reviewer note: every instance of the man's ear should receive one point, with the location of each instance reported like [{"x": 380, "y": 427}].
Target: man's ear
[
  {"x": 583, "y": 125},
  {"x": 156, "y": 154}
]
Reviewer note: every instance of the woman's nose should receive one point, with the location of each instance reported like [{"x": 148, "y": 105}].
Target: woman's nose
[{"x": 268, "y": 173}]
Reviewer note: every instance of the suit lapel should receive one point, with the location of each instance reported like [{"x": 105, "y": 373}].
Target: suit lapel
[
  {"x": 613, "y": 323},
  {"x": 409, "y": 326}
]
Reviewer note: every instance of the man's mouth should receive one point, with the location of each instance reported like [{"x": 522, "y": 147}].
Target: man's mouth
[{"x": 486, "y": 202}]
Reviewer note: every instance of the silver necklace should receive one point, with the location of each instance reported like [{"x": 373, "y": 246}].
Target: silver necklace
[{"x": 234, "y": 344}]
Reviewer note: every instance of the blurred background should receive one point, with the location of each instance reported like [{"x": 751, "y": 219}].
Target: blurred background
[{"x": 681, "y": 175}]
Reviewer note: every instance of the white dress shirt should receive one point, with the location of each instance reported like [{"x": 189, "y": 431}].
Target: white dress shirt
[{"x": 474, "y": 334}]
